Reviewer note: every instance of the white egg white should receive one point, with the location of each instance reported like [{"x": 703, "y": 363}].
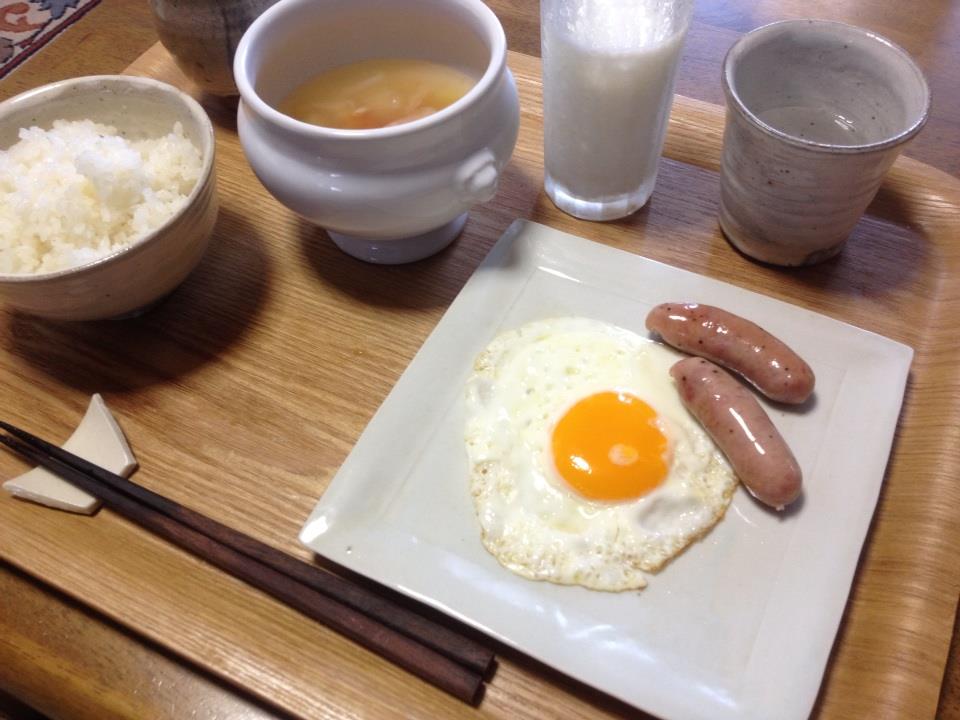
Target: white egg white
[{"x": 530, "y": 519}]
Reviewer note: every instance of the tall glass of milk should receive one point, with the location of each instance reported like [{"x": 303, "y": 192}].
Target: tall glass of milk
[{"x": 608, "y": 75}]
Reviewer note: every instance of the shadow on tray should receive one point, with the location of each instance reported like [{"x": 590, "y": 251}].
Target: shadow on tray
[{"x": 196, "y": 323}]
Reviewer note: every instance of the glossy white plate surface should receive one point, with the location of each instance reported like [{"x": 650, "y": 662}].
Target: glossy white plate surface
[{"x": 741, "y": 624}]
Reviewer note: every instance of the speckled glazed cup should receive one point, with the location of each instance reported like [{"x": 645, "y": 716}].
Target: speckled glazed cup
[{"x": 817, "y": 112}]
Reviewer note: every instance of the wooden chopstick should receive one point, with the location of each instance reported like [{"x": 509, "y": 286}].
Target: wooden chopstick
[
  {"x": 457, "y": 647},
  {"x": 462, "y": 681}
]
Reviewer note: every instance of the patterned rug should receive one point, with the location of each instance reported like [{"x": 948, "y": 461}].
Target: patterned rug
[{"x": 28, "y": 25}]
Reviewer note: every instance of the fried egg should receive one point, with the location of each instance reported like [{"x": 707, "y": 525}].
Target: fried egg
[{"x": 585, "y": 468}]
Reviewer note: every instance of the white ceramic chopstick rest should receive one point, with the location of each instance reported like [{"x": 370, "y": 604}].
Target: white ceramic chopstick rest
[{"x": 99, "y": 439}]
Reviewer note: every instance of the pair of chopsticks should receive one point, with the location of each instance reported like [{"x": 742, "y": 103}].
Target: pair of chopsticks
[{"x": 451, "y": 661}]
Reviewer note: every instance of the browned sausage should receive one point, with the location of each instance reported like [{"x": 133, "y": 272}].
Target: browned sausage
[
  {"x": 738, "y": 344},
  {"x": 740, "y": 427}
]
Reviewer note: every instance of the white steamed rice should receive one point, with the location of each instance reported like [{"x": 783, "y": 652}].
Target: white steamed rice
[{"x": 80, "y": 191}]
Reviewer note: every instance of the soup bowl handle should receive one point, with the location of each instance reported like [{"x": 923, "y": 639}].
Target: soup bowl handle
[{"x": 477, "y": 177}]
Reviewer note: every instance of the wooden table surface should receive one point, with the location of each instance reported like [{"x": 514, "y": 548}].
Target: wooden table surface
[{"x": 66, "y": 661}]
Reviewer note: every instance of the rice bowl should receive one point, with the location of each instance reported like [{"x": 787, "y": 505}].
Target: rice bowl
[
  {"x": 81, "y": 275},
  {"x": 81, "y": 190}
]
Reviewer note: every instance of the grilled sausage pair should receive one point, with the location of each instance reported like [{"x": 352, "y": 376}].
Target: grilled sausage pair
[{"x": 729, "y": 412}]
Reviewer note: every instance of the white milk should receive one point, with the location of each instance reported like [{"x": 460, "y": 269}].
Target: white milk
[{"x": 609, "y": 70}]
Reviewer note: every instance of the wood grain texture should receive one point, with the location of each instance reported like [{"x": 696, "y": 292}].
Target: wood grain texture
[
  {"x": 47, "y": 659},
  {"x": 117, "y": 31},
  {"x": 245, "y": 390}
]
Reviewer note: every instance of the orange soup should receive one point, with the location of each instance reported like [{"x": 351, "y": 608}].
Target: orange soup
[{"x": 376, "y": 93}]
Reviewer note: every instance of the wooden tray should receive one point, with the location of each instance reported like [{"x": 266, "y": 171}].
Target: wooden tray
[{"x": 243, "y": 392}]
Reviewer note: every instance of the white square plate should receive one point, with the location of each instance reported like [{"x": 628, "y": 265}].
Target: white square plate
[{"x": 741, "y": 624}]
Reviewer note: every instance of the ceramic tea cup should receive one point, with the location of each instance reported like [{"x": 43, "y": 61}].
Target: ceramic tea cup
[
  {"x": 817, "y": 111},
  {"x": 202, "y": 37}
]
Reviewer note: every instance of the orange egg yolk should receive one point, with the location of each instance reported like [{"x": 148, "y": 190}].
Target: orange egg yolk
[{"x": 608, "y": 447}]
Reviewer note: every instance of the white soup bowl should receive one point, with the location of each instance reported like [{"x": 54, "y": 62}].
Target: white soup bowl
[{"x": 386, "y": 195}]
